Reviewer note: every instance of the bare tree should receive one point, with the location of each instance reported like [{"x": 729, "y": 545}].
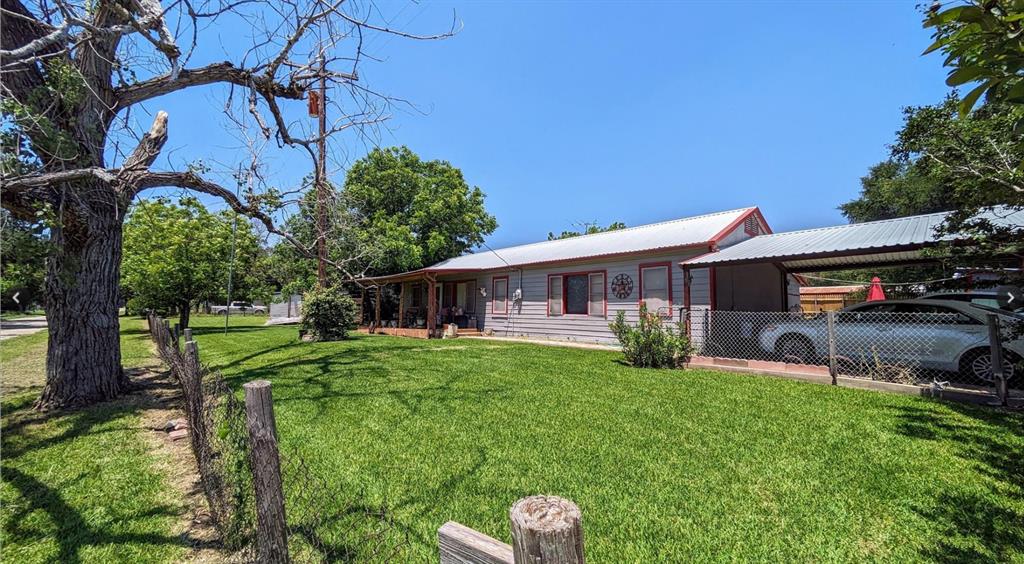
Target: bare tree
[{"x": 73, "y": 71}]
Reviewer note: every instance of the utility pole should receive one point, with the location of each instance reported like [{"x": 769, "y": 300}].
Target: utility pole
[{"x": 321, "y": 182}]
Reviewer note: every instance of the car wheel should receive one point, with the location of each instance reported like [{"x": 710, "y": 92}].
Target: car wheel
[
  {"x": 790, "y": 348},
  {"x": 222, "y": 312},
  {"x": 978, "y": 364}
]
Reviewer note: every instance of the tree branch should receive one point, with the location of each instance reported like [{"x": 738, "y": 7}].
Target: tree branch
[
  {"x": 149, "y": 147},
  {"x": 210, "y": 74}
]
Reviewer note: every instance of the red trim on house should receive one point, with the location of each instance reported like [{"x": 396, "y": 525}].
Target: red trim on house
[
  {"x": 587, "y": 273},
  {"x": 494, "y": 284},
  {"x": 640, "y": 277},
  {"x": 739, "y": 220}
]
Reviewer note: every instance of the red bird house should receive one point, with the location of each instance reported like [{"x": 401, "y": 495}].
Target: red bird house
[{"x": 315, "y": 103}]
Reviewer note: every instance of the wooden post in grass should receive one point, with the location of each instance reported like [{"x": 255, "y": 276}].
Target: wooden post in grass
[
  {"x": 188, "y": 334},
  {"x": 996, "y": 346},
  {"x": 546, "y": 530},
  {"x": 458, "y": 544},
  {"x": 830, "y": 318},
  {"x": 271, "y": 527}
]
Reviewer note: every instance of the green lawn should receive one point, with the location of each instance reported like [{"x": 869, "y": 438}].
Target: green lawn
[
  {"x": 666, "y": 465},
  {"x": 80, "y": 486}
]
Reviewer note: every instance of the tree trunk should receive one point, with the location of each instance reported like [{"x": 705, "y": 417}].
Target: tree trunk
[
  {"x": 184, "y": 310},
  {"x": 83, "y": 359}
]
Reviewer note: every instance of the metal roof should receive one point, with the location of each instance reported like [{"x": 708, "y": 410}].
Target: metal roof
[
  {"x": 891, "y": 240},
  {"x": 689, "y": 231}
]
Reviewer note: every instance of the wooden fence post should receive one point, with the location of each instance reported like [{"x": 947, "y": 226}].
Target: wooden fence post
[
  {"x": 996, "y": 346},
  {"x": 272, "y": 532},
  {"x": 546, "y": 530},
  {"x": 458, "y": 544}
]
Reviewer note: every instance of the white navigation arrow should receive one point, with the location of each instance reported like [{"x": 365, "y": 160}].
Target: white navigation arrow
[
  {"x": 1012, "y": 297},
  {"x": 15, "y": 297}
]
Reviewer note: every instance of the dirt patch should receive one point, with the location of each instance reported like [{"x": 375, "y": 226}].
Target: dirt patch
[{"x": 159, "y": 401}]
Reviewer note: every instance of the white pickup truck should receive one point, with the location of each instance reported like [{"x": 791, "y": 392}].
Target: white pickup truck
[{"x": 239, "y": 307}]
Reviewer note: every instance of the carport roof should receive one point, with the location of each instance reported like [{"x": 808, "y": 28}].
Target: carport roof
[{"x": 875, "y": 242}]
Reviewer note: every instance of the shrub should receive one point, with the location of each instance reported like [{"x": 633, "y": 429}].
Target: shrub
[
  {"x": 328, "y": 314},
  {"x": 651, "y": 344}
]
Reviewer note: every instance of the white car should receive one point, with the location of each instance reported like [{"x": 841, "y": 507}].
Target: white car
[
  {"x": 239, "y": 307},
  {"x": 951, "y": 336}
]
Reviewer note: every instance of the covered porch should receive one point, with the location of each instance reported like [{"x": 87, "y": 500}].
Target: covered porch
[{"x": 418, "y": 304}]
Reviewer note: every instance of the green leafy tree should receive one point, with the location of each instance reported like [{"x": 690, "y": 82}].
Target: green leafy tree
[
  {"x": 22, "y": 261},
  {"x": 176, "y": 255},
  {"x": 413, "y": 212},
  {"x": 983, "y": 159},
  {"x": 933, "y": 167},
  {"x": 588, "y": 229},
  {"x": 983, "y": 41}
]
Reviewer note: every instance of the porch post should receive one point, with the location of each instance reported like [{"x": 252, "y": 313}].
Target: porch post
[
  {"x": 377, "y": 307},
  {"x": 401, "y": 304},
  {"x": 431, "y": 305},
  {"x": 362, "y": 305}
]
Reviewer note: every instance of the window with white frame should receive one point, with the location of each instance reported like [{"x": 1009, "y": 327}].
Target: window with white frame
[
  {"x": 499, "y": 295},
  {"x": 655, "y": 284},
  {"x": 577, "y": 294}
]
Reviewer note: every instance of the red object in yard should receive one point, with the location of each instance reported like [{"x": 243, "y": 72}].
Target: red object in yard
[{"x": 875, "y": 292}]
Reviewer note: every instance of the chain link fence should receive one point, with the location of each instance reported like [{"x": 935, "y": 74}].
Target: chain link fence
[
  {"x": 320, "y": 524},
  {"x": 926, "y": 349}
]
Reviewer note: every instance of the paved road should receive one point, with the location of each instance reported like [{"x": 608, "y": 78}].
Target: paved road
[{"x": 21, "y": 326}]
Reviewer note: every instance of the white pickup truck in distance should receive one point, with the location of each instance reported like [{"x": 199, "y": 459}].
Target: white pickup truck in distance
[{"x": 239, "y": 307}]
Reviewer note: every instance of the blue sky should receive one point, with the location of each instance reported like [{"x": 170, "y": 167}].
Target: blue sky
[{"x": 565, "y": 112}]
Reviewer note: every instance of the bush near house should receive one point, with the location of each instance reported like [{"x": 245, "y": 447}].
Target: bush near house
[
  {"x": 651, "y": 344},
  {"x": 328, "y": 314}
]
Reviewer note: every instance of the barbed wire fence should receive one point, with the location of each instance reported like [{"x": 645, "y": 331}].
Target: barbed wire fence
[
  {"x": 267, "y": 505},
  {"x": 934, "y": 350}
]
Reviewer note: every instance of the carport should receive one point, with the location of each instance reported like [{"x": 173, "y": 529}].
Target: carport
[
  {"x": 741, "y": 274},
  {"x": 754, "y": 321}
]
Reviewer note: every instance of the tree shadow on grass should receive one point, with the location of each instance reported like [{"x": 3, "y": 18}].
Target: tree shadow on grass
[
  {"x": 27, "y": 432},
  {"x": 984, "y": 523},
  {"x": 73, "y": 532},
  {"x": 82, "y": 421}
]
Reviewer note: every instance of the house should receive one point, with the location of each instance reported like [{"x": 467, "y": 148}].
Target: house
[{"x": 570, "y": 289}]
